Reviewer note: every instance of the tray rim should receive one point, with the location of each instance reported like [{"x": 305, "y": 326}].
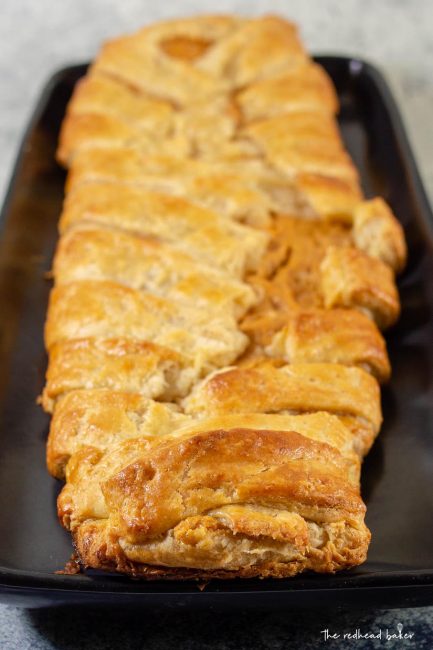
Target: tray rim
[{"x": 18, "y": 582}]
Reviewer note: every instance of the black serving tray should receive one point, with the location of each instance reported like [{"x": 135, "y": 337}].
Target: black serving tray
[{"x": 398, "y": 473}]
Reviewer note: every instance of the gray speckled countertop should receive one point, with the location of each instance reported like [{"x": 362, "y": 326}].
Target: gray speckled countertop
[
  {"x": 36, "y": 38},
  {"x": 84, "y": 629}
]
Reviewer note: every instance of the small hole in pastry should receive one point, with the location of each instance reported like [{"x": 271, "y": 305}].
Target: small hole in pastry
[{"x": 185, "y": 47}]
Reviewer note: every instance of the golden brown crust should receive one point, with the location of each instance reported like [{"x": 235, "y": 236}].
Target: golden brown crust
[
  {"x": 350, "y": 278},
  {"x": 117, "y": 364},
  {"x": 246, "y": 191},
  {"x": 320, "y": 426},
  {"x": 103, "y": 110},
  {"x": 168, "y": 506},
  {"x": 172, "y": 66},
  {"x": 296, "y": 143},
  {"x": 99, "y": 94},
  {"x": 303, "y": 89},
  {"x": 100, "y": 418},
  {"x": 99, "y": 550},
  {"x": 269, "y": 387},
  {"x": 144, "y": 62},
  {"x": 281, "y": 455},
  {"x": 377, "y": 232},
  {"x": 196, "y": 231},
  {"x": 240, "y": 189},
  {"x": 200, "y": 129},
  {"x": 260, "y": 48},
  {"x": 104, "y": 310},
  {"x": 148, "y": 265},
  {"x": 330, "y": 197},
  {"x": 87, "y": 131},
  {"x": 213, "y": 217},
  {"x": 341, "y": 336}
]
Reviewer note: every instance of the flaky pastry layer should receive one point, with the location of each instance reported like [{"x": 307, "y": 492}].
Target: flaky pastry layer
[
  {"x": 213, "y": 341},
  {"x": 290, "y": 500},
  {"x": 148, "y": 265}
]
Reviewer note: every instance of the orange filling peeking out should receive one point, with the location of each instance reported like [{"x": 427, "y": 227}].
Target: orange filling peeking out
[{"x": 185, "y": 47}]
